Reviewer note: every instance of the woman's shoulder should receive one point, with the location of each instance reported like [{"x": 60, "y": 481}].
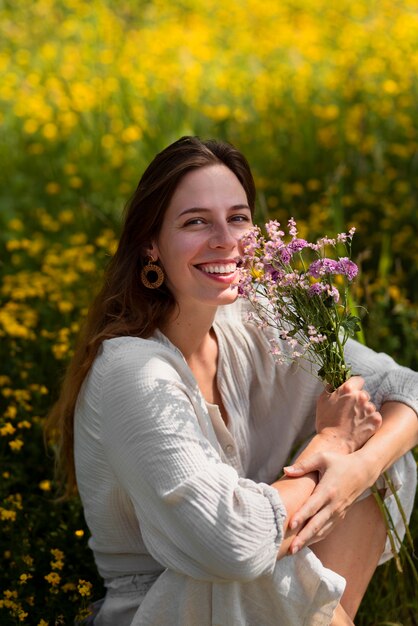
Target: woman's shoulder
[{"x": 128, "y": 354}]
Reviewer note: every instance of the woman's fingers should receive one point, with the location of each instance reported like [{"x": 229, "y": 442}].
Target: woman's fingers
[
  {"x": 312, "y": 533},
  {"x": 339, "y": 485}
]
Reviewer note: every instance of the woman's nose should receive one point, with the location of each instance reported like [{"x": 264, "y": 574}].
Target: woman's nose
[{"x": 222, "y": 237}]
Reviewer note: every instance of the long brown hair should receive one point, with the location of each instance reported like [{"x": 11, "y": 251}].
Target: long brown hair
[{"x": 124, "y": 306}]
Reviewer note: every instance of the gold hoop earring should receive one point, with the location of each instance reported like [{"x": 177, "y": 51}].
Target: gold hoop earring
[{"x": 152, "y": 275}]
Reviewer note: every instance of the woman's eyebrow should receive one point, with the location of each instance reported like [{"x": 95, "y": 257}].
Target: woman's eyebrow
[{"x": 196, "y": 209}]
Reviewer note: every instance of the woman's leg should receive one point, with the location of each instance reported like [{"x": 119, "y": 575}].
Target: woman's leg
[{"x": 353, "y": 549}]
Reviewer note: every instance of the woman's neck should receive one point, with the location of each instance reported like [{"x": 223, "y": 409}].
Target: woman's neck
[{"x": 190, "y": 331}]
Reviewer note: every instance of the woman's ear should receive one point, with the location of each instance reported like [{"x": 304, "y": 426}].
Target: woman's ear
[{"x": 151, "y": 251}]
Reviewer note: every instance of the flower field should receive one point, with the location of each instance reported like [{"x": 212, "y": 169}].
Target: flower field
[{"x": 322, "y": 99}]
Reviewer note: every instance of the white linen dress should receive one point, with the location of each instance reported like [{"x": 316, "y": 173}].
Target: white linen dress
[{"x": 184, "y": 526}]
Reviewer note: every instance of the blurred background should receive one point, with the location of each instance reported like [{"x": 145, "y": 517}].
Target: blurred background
[{"x": 323, "y": 101}]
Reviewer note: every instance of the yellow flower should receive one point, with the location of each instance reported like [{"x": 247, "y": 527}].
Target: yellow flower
[
  {"x": 79, "y": 533},
  {"x": 7, "y": 515},
  {"x": 11, "y": 411},
  {"x": 45, "y": 485},
  {"x": 66, "y": 217},
  {"x": 16, "y": 445},
  {"x": 28, "y": 560},
  {"x": 84, "y": 588},
  {"x": 65, "y": 306},
  {"x": 43, "y": 623},
  {"x": 50, "y": 131},
  {"x": 53, "y": 578},
  {"x": 76, "y": 182},
  {"x": 57, "y": 554},
  {"x": 16, "y": 224},
  {"x": 52, "y": 188},
  {"x": 7, "y": 429},
  {"x": 131, "y": 133},
  {"x": 24, "y": 578}
]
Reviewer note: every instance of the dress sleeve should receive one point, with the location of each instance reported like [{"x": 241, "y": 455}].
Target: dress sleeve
[
  {"x": 385, "y": 379},
  {"x": 197, "y": 516}
]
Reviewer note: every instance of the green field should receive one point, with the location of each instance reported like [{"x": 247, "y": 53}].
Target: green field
[{"x": 322, "y": 99}]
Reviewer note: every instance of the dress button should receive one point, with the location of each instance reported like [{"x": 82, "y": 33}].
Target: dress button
[{"x": 229, "y": 448}]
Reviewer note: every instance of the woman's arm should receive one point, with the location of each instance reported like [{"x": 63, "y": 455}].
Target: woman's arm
[
  {"x": 346, "y": 419},
  {"x": 345, "y": 477}
]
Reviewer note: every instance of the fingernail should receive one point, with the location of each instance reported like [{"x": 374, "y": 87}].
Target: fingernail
[
  {"x": 293, "y": 469},
  {"x": 294, "y": 524},
  {"x": 294, "y": 549}
]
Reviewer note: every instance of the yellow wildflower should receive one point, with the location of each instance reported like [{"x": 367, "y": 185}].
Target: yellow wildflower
[
  {"x": 84, "y": 588},
  {"x": 7, "y": 429},
  {"x": 53, "y": 578},
  {"x": 57, "y": 554},
  {"x": 23, "y": 579},
  {"x": 16, "y": 445},
  {"x": 45, "y": 485},
  {"x": 52, "y": 188},
  {"x": 11, "y": 411},
  {"x": 28, "y": 560},
  {"x": 65, "y": 306},
  {"x": 7, "y": 516},
  {"x": 16, "y": 224}
]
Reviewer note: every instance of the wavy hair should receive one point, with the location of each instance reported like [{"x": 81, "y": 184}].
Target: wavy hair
[{"x": 124, "y": 306}]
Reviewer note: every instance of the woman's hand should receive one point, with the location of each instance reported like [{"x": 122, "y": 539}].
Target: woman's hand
[
  {"x": 345, "y": 421},
  {"x": 346, "y": 417},
  {"x": 342, "y": 478}
]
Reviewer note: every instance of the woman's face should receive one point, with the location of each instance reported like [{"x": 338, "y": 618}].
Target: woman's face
[{"x": 198, "y": 242}]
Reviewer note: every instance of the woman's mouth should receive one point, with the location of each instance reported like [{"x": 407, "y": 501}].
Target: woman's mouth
[
  {"x": 218, "y": 268},
  {"x": 222, "y": 272}
]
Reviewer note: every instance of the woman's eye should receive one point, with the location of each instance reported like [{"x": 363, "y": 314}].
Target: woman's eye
[
  {"x": 240, "y": 218},
  {"x": 195, "y": 221}
]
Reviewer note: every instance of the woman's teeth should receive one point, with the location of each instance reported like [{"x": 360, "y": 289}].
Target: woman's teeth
[{"x": 219, "y": 269}]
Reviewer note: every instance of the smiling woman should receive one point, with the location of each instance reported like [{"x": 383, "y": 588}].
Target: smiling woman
[
  {"x": 198, "y": 246},
  {"x": 176, "y": 422}
]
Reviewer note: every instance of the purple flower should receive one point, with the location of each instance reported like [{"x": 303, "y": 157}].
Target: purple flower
[
  {"x": 317, "y": 289},
  {"x": 291, "y": 224},
  {"x": 333, "y": 293},
  {"x": 347, "y": 268},
  {"x": 323, "y": 266},
  {"x": 296, "y": 245},
  {"x": 285, "y": 255},
  {"x": 274, "y": 273},
  {"x": 324, "y": 291}
]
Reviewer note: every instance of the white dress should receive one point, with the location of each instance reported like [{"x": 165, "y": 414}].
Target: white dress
[{"x": 184, "y": 526}]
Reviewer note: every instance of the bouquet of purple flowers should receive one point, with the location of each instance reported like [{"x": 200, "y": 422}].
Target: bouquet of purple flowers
[{"x": 301, "y": 289}]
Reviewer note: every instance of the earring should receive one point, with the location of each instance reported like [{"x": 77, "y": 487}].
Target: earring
[{"x": 152, "y": 275}]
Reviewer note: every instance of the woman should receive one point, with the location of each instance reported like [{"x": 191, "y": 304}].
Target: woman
[{"x": 181, "y": 422}]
